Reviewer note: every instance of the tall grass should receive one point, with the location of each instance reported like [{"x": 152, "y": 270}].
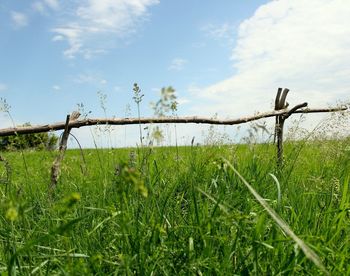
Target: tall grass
[{"x": 177, "y": 211}]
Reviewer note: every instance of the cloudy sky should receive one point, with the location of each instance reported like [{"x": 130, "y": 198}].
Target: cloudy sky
[{"x": 226, "y": 59}]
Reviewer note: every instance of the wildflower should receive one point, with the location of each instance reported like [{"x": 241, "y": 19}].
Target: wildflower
[
  {"x": 73, "y": 199},
  {"x": 11, "y": 214}
]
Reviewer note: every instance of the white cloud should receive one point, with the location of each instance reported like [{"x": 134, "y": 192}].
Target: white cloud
[
  {"x": 223, "y": 32},
  {"x": 39, "y": 7},
  {"x": 3, "y": 87},
  {"x": 90, "y": 78},
  {"x": 56, "y": 87},
  {"x": 177, "y": 64},
  {"x": 45, "y": 5},
  {"x": 19, "y": 19},
  {"x": 53, "y": 4},
  {"x": 58, "y": 38},
  {"x": 98, "y": 21},
  {"x": 301, "y": 44},
  {"x": 85, "y": 78}
]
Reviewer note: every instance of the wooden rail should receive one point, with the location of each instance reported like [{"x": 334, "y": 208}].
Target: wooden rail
[{"x": 162, "y": 120}]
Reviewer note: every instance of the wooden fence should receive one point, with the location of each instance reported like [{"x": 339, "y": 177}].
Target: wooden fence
[{"x": 281, "y": 112}]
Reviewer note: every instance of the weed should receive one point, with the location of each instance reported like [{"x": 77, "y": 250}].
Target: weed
[{"x": 138, "y": 99}]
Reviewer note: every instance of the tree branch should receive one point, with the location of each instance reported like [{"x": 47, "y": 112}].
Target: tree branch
[
  {"x": 161, "y": 120},
  {"x": 294, "y": 109}
]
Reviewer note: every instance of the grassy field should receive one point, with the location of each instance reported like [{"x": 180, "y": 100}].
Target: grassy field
[{"x": 176, "y": 211}]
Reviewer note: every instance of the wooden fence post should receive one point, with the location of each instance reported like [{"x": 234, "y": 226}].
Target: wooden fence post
[
  {"x": 55, "y": 169},
  {"x": 280, "y": 103}
]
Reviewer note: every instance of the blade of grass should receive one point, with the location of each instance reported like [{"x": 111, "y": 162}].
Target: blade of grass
[
  {"x": 222, "y": 207},
  {"x": 102, "y": 222},
  {"x": 339, "y": 219},
  {"x": 39, "y": 266},
  {"x": 279, "y": 196},
  {"x": 309, "y": 253}
]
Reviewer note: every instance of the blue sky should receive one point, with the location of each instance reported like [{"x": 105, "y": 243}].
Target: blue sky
[{"x": 224, "y": 57}]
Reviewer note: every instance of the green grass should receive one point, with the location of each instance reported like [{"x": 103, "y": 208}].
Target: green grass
[{"x": 151, "y": 213}]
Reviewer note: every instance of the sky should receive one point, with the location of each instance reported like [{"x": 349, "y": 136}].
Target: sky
[{"x": 224, "y": 58}]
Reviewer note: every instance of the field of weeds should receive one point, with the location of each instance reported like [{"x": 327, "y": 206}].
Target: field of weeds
[{"x": 169, "y": 211}]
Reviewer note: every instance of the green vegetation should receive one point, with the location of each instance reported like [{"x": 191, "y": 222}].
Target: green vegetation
[
  {"x": 28, "y": 141},
  {"x": 37, "y": 141},
  {"x": 170, "y": 211}
]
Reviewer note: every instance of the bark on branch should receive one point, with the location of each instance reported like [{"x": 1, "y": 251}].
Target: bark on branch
[
  {"x": 56, "y": 166},
  {"x": 55, "y": 169},
  {"x": 162, "y": 120}
]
